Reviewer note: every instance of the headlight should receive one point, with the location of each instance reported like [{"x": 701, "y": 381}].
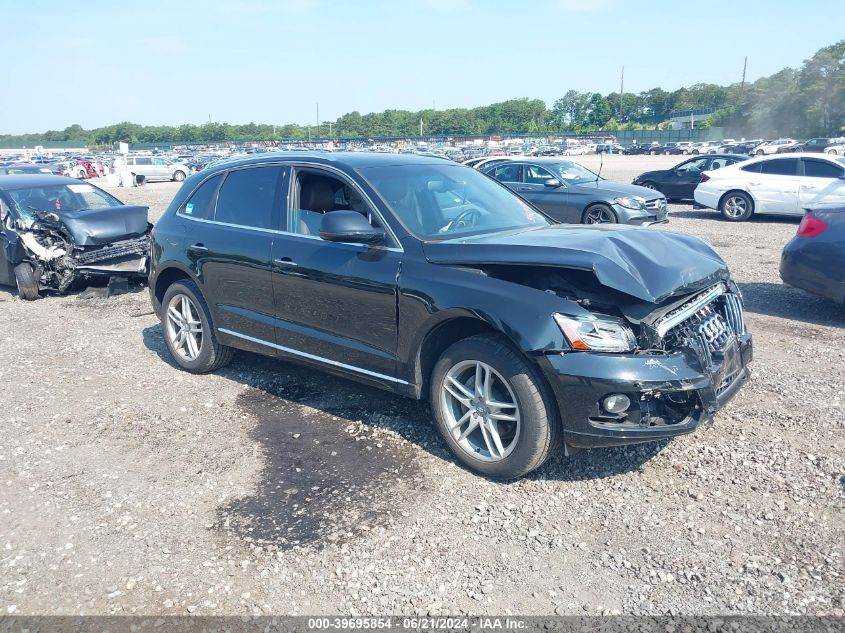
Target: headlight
[
  {"x": 597, "y": 334},
  {"x": 631, "y": 202}
]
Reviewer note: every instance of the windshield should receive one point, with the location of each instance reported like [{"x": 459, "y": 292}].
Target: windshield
[
  {"x": 445, "y": 201},
  {"x": 573, "y": 173},
  {"x": 58, "y": 199}
]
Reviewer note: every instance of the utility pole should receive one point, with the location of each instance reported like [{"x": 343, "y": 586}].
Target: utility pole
[
  {"x": 330, "y": 129},
  {"x": 318, "y": 120},
  {"x": 421, "y": 125},
  {"x": 621, "y": 94},
  {"x": 742, "y": 83}
]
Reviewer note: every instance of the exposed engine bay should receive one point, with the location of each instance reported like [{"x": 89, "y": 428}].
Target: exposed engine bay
[{"x": 107, "y": 242}]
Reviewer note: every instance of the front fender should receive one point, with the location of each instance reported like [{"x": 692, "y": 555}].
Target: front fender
[{"x": 522, "y": 313}]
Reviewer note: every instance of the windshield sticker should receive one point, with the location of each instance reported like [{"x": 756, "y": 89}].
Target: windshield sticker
[
  {"x": 81, "y": 188},
  {"x": 189, "y": 208}
]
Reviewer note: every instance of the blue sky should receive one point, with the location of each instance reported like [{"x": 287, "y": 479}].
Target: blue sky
[{"x": 181, "y": 61}]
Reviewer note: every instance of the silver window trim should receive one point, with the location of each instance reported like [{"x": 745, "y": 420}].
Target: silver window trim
[
  {"x": 345, "y": 177},
  {"x": 320, "y": 359},
  {"x": 395, "y": 249}
]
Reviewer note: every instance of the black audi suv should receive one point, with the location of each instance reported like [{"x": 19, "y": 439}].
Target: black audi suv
[{"x": 429, "y": 279}]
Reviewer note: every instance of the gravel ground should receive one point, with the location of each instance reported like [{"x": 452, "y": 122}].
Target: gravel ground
[{"x": 128, "y": 486}]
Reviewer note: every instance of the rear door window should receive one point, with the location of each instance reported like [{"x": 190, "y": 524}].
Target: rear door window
[
  {"x": 201, "y": 204},
  {"x": 249, "y": 197},
  {"x": 780, "y": 167}
]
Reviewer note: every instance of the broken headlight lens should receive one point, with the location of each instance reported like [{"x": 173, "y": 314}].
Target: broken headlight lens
[
  {"x": 631, "y": 202},
  {"x": 597, "y": 334}
]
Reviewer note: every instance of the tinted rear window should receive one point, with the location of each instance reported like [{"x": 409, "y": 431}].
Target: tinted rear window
[
  {"x": 780, "y": 167},
  {"x": 247, "y": 197},
  {"x": 754, "y": 168}
]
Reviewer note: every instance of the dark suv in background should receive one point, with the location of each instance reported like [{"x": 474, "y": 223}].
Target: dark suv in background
[{"x": 431, "y": 280}]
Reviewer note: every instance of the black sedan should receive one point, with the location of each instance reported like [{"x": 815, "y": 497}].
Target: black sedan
[
  {"x": 55, "y": 230},
  {"x": 568, "y": 192},
  {"x": 814, "y": 260},
  {"x": 431, "y": 280},
  {"x": 679, "y": 182}
]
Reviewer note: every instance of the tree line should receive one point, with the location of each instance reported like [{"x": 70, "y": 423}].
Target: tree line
[{"x": 800, "y": 102}]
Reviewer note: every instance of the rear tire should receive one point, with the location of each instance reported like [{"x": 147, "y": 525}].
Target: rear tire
[
  {"x": 736, "y": 206},
  {"x": 206, "y": 354},
  {"x": 26, "y": 282},
  {"x": 528, "y": 440}
]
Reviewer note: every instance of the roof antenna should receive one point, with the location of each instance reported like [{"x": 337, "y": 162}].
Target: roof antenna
[{"x": 601, "y": 164}]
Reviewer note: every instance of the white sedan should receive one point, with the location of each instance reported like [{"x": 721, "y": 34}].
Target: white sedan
[{"x": 782, "y": 185}]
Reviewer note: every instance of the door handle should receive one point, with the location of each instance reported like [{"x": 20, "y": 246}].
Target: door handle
[
  {"x": 285, "y": 261},
  {"x": 198, "y": 248},
  {"x": 753, "y": 183},
  {"x": 809, "y": 186}
]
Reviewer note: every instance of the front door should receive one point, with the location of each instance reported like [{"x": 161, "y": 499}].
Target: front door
[
  {"x": 823, "y": 182},
  {"x": 335, "y": 301},
  {"x": 682, "y": 180},
  {"x": 7, "y": 272},
  {"x": 554, "y": 201}
]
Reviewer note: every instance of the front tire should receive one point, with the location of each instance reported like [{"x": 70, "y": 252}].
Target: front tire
[
  {"x": 736, "y": 206},
  {"x": 492, "y": 408},
  {"x": 599, "y": 214},
  {"x": 179, "y": 176},
  {"x": 26, "y": 282},
  {"x": 189, "y": 332}
]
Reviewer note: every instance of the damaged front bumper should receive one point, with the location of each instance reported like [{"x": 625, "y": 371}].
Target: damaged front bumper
[{"x": 671, "y": 393}]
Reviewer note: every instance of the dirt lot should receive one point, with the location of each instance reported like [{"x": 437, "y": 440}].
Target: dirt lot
[{"x": 128, "y": 486}]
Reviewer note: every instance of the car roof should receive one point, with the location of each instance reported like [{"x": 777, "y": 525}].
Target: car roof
[
  {"x": 830, "y": 157},
  {"x": 27, "y": 181},
  {"x": 355, "y": 160}
]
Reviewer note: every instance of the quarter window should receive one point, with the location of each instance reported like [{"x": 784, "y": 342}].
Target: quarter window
[
  {"x": 248, "y": 197},
  {"x": 201, "y": 204},
  {"x": 780, "y": 167},
  {"x": 821, "y": 169}
]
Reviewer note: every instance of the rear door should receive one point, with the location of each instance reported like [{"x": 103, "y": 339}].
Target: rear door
[
  {"x": 509, "y": 174},
  {"x": 822, "y": 182},
  {"x": 776, "y": 186},
  {"x": 229, "y": 240},
  {"x": 144, "y": 166}
]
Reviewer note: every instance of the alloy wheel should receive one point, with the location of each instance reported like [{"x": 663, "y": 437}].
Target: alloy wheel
[
  {"x": 184, "y": 327},
  {"x": 598, "y": 215},
  {"x": 736, "y": 206},
  {"x": 482, "y": 414}
]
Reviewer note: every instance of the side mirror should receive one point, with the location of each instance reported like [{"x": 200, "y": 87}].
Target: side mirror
[
  {"x": 554, "y": 183},
  {"x": 349, "y": 226}
]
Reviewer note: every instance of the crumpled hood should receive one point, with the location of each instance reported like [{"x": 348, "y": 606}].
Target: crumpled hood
[
  {"x": 95, "y": 227},
  {"x": 644, "y": 263}
]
